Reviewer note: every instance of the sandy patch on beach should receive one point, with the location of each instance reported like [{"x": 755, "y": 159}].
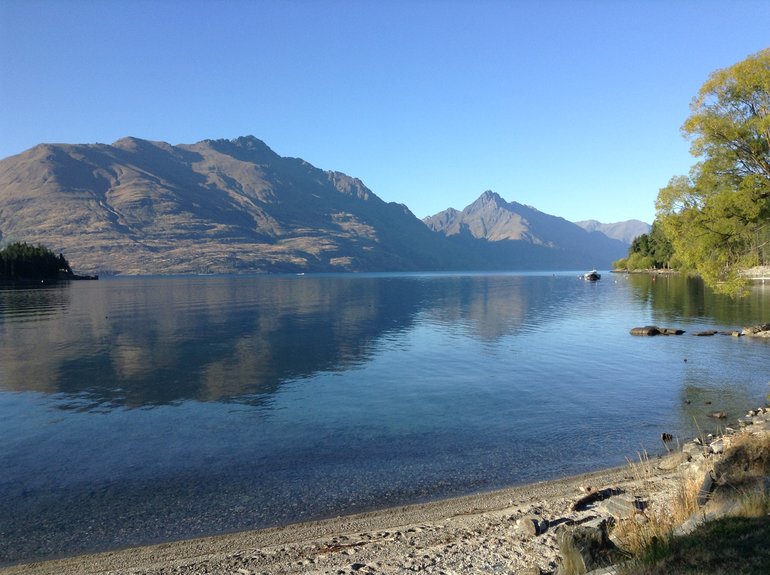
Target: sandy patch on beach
[{"x": 472, "y": 534}]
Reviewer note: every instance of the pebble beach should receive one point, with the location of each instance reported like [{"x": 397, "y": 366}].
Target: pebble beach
[{"x": 473, "y": 534}]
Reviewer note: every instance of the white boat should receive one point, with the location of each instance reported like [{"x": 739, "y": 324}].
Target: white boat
[{"x": 592, "y": 276}]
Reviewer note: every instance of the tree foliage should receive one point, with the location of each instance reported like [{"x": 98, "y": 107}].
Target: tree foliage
[
  {"x": 21, "y": 261},
  {"x": 648, "y": 251},
  {"x": 718, "y": 217}
]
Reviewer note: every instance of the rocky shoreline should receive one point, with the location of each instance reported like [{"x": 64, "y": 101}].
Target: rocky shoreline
[
  {"x": 762, "y": 331},
  {"x": 521, "y": 530}
]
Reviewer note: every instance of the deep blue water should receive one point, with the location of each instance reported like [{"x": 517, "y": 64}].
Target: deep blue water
[{"x": 146, "y": 409}]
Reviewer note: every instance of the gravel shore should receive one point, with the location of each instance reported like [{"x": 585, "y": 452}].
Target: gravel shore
[{"x": 472, "y": 534}]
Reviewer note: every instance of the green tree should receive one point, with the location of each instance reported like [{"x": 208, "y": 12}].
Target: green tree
[
  {"x": 21, "y": 261},
  {"x": 660, "y": 247},
  {"x": 718, "y": 218},
  {"x": 648, "y": 251}
]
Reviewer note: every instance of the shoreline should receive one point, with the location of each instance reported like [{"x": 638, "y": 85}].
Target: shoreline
[{"x": 480, "y": 528}]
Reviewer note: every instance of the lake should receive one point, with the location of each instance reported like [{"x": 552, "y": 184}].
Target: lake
[{"x": 138, "y": 410}]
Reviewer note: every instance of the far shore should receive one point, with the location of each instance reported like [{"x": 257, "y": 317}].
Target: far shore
[{"x": 758, "y": 273}]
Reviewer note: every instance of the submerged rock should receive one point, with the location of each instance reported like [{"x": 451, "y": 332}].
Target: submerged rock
[
  {"x": 655, "y": 330},
  {"x": 646, "y": 330}
]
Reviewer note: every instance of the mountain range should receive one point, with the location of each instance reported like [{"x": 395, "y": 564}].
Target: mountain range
[
  {"x": 623, "y": 231},
  {"x": 235, "y": 206}
]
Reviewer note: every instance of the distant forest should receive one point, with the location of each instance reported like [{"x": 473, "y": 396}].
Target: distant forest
[{"x": 21, "y": 261}]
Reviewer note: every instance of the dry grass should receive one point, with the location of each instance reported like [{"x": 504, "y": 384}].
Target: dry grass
[
  {"x": 747, "y": 459},
  {"x": 736, "y": 543},
  {"x": 639, "y": 533},
  {"x": 755, "y": 503}
]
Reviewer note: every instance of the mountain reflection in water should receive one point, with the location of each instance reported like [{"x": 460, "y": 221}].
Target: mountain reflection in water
[{"x": 140, "y": 343}]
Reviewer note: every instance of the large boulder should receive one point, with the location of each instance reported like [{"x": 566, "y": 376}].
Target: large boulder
[
  {"x": 583, "y": 549},
  {"x": 646, "y": 330},
  {"x": 762, "y": 330},
  {"x": 655, "y": 330}
]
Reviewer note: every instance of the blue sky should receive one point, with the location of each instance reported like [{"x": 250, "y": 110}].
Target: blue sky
[{"x": 573, "y": 107}]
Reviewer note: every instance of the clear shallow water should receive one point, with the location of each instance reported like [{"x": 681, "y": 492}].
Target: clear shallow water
[{"x": 144, "y": 409}]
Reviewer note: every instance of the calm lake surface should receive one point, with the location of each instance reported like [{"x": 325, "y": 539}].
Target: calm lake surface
[{"x": 137, "y": 410}]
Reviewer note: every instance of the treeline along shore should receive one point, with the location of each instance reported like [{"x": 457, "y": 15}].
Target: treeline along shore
[{"x": 24, "y": 263}]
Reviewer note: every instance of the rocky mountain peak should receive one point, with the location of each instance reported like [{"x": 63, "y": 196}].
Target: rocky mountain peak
[
  {"x": 244, "y": 148},
  {"x": 487, "y": 200}
]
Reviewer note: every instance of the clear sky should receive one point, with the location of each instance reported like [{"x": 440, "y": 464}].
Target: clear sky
[{"x": 573, "y": 107}]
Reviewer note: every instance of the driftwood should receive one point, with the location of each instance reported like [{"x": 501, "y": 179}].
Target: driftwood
[{"x": 594, "y": 496}]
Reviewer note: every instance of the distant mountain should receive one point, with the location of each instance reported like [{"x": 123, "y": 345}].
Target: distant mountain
[
  {"x": 623, "y": 231},
  {"x": 512, "y": 232},
  {"x": 235, "y": 206},
  {"x": 218, "y": 206}
]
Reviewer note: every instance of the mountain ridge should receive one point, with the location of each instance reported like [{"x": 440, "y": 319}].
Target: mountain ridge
[
  {"x": 624, "y": 231},
  {"x": 496, "y": 221},
  {"x": 235, "y": 206}
]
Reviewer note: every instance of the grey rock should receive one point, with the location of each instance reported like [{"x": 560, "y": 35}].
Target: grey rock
[
  {"x": 622, "y": 506},
  {"x": 674, "y": 460},
  {"x": 641, "y": 519},
  {"x": 596, "y": 523},
  {"x": 583, "y": 549},
  {"x": 704, "y": 491},
  {"x": 693, "y": 450},
  {"x": 710, "y": 512},
  {"x": 757, "y": 330},
  {"x": 529, "y": 525},
  {"x": 671, "y": 331},
  {"x": 717, "y": 446},
  {"x": 646, "y": 330},
  {"x": 610, "y": 570},
  {"x": 691, "y": 524}
]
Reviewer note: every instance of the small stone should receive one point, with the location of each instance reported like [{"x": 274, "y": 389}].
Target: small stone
[
  {"x": 717, "y": 446},
  {"x": 640, "y": 519},
  {"x": 719, "y": 415},
  {"x": 528, "y": 525}
]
